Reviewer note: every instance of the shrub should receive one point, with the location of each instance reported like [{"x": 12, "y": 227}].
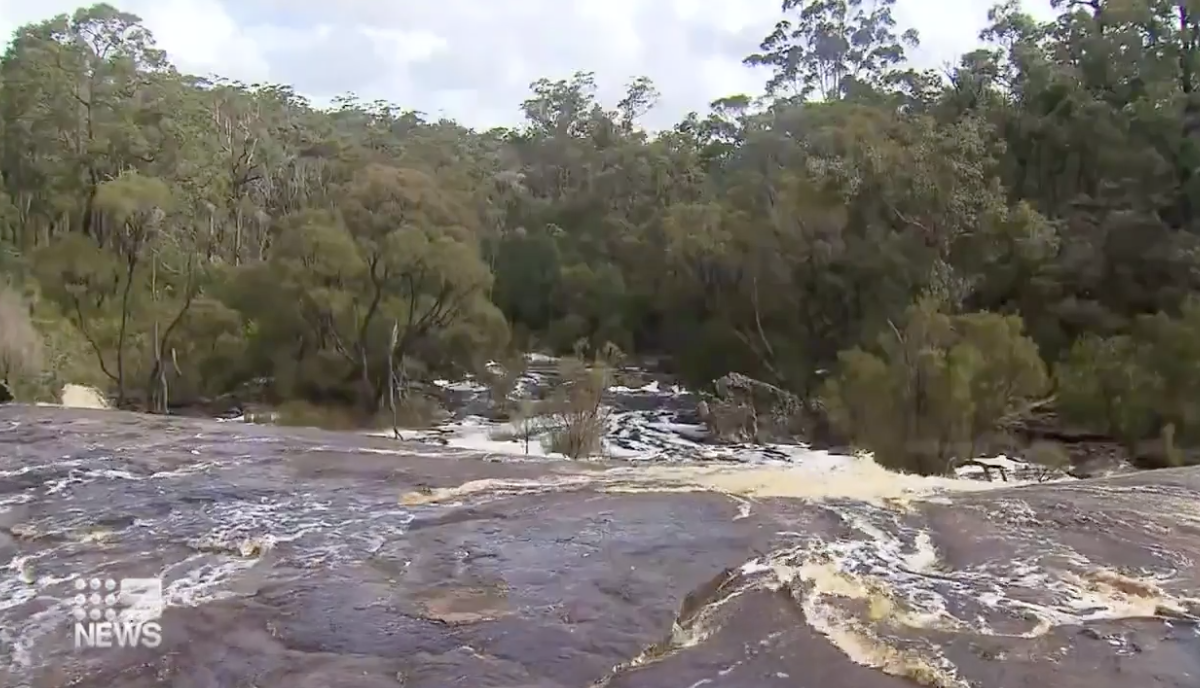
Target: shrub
[
  {"x": 1107, "y": 385},
  {"x": 575, "y": 413},
  {"x": 416, "y": 411},
  {"x": 930, "y": 390},
  {"x": 1171, "y": 454},
  {"x": 300, "y": 413},
  {"x": 502, "y": 382},
  {"x": 527, "y": 424},
  {"x": 1050, "y": 457},
  {"x": 20, "y": 344}
]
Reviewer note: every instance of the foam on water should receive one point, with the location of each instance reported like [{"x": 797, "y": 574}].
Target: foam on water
[
  {"x": 858, "y": 590},
  {"x": 811, "y": 475},
  {"x": 659, "y": 431},
  {"x": 201, "y": 526},
  {"x": 894, "y": 572},
  {"x": 80, "y": 396},
  {"x": 888, "y": 565},
  {"x": 223, "y": 524}
]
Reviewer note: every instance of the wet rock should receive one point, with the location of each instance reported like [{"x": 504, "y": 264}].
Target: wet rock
[
  {"x": 5, "y": 395},
  {"x": 566, "y": 575},
  {"x": 1090, "y": 454},
  {"x": 1097, "y": 464},
  {"x": 749, "y": 410}
]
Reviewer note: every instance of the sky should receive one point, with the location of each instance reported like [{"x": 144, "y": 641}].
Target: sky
[{"x": 473, "y": 60}]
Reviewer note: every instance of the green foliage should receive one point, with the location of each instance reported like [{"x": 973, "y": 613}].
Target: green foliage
[
  {"x": 182, "y": 239},
  {"x": 20, "y": 344},
  {"x": 1141, "y": 386},
  {"x": 1106, "y": 384},
  {"x": 1173, "y": 345},
  {"x": 39, "y": 349},
  {"x": 1050, "y": 455},
  {"x": 133, "y": 199},
  {"x": 934, "y": 387},
  {"x": 300, "y": 413}
]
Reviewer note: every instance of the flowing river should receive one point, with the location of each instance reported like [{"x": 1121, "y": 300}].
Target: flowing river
[{"x": 297, "y": 558}]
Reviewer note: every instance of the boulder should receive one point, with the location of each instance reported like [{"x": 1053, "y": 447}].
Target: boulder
[{"x": 748, "y": 410}]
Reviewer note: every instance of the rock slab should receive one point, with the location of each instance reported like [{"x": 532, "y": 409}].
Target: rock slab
[{"x": 298, "y": 558}]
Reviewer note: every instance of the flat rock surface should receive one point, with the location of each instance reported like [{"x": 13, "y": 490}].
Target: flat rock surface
[{"x": 295, "y": 558}]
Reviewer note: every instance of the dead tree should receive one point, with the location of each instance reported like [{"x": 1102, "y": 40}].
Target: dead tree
[{"x": 391, "y": 360}]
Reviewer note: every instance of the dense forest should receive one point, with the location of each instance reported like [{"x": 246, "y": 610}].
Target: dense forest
[{"x": 923, "y": 254}]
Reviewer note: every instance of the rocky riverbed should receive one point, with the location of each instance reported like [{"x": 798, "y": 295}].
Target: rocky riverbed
[
  {"x": 305, "y": 558},
  {"x": 649, "y": 419}
]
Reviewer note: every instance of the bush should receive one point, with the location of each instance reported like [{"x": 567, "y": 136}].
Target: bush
[
  {"x": 20, "y": 343},
  {"x": 1140, "y": 388},
  {"x": 502, "y": 382},
  {"x": 40, "y": 350},
  {"x": 1170, "y": 348},
  {"x": 931, "y": 390},
  {"x": 413, "y": 412},
  {"x": 1171, "y": 454},
  {"x": 1106, "y": 385},
  {"x": 575, "y": 414},
  {"x": 1050, "y": 457},
  {"x": 304, "y": 414},
  {"x": 527, "y": 424}
]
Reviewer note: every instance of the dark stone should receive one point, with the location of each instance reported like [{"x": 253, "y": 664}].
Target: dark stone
[{"x": 543, "y": 576}]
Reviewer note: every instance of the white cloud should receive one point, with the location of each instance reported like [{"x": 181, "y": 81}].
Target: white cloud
[
  {"x": 948, "y": 29},
  {"x": 201, "y": 37},
  {"x": 473, "y": 60},
  {"x": 406, "y": 46}
]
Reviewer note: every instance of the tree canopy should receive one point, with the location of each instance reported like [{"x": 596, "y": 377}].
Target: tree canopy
[{"x": 1036, "y": 203}]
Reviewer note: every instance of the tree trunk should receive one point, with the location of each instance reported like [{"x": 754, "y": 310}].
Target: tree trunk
[{"x": 392, "y": 379}]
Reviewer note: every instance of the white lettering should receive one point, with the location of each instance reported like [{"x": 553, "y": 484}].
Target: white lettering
[
  {"x": 125, "y": 634},
  {"x": 85, "y": 635},
  {"x": 151, "y": 634},
  {"x": 104, "y": 634}
]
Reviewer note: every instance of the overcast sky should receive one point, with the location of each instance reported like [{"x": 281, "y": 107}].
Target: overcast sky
[{"x": 473, "y": 60}]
